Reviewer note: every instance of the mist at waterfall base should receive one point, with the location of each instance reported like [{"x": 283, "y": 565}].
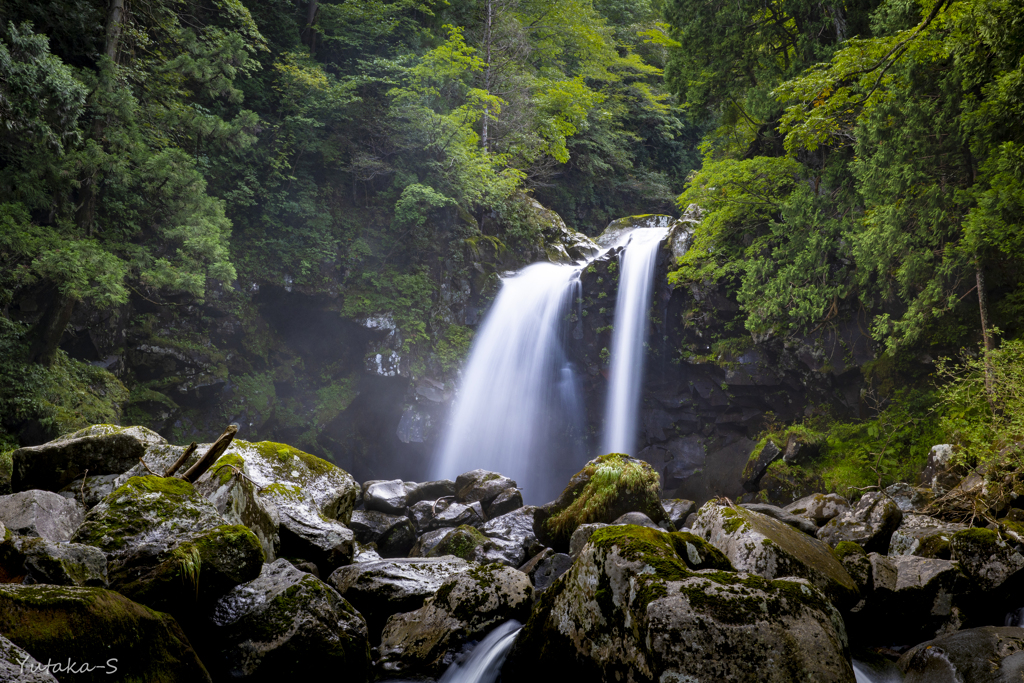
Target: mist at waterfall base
[
  {"x": 519, "y": 410},
  {"x": 629, "y": 334}
]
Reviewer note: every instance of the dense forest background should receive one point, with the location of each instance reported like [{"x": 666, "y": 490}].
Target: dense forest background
[{"x": 852, "y": 160}]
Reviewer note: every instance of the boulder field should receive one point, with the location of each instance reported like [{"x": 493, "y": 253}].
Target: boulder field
[{"x": 276, "y": 563}]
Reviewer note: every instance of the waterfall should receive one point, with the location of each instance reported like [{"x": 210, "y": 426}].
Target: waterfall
[
  {"x": 629, "y": 333},
  {"x": 484, "y": 663},
  {"x": 519, "y": 411}
]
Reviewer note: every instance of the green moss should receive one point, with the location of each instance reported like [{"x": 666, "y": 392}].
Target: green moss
[
  {"x": 461, "y": 542},
  {"x": 285, "y": 491},
  {"x": 846, "y": 548},
  {"x": 613, "y": 482},
  {"x": 222, "y": 469},
  {"x": 698, "y": 553},
  {"x": 169, "y": 485}
]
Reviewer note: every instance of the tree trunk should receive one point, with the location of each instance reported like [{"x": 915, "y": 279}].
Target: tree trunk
[
  {"x": 50, "y": 329},
  {"x": 487, "y": 69},
  {"x": 985, "y": 333},
  {"x": 309, "y": 33}
]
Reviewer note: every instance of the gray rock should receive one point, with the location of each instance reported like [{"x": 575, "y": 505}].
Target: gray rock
[
  {"x": 18, "y": 666},
  {"x": 388, "y": 496},
  {"x": 869, "y": 524},
  {"x": 422, "y": 514},
  {"x": 481, "y": 486},
  {"x": 465, "y": 608},
  {"x": 548, "y": 569},
  {"x": 989, "y": 654},
  {"x": 632, "y": 610},
  {"x": 365, "y": 553},
  {"x": 756, "y": 467},
  {"x": 677, "y": 510},
  {"x": 907, "y": 497},
  {"x": 775, "y": 512},
  {"x": 923, "y": 536},
  {"x": 635, "y": 518},
  {"x": 819, "y": 507},
  {"x": 236, "y": 499},
  {"x": 426, "y": 542},
  {"x": 581, "y": 537},
  {"x": 986, "y": 559},
  {"x": 305, "y": 534},
  {"x": 61, "y": 564},
  {"x": 158, "y": 457},
  {"x": 100, "y": 449},
  {"x": 394, "y": 535},
  {"x": 285, "y": 622},
  {"x": 380, "y": 589},
  {"x": 939, "y": 474},
  {"x": 507, "y": 501},
  {"x": 513, "y": 533},
  {"x": 41, "y": 513},
  {"x": 759, "y": 544},
  {"x": 89, "y": 490},
  {"x": 430, "y": 491},
  {"x": 457, "y": 514}
]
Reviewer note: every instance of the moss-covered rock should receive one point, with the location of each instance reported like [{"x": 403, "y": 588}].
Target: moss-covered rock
[
  {"x": 870, "y": 523},
  {"x": 60, "y": 564},
  {"x": 100, "y": 449},
  {"x": 606, "y": 488},
  {"x": 284, "y": 625},
  {"x": 631, "y": 609},
  {"x": 986, "y": 559},
  {"x": 465, "y": 608},
  {"x": 99, "y": 627},
  {"x": 989, "y": 653},
  {"x": 464, "y": 542},
  {"x": 923, "y": 536},
  {"x": 237, "y": 500},
  {"x": 761, "y": 545}
]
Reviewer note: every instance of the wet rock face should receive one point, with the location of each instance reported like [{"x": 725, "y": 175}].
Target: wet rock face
[
  {"x": 819, "y": 507},
  {"x": 513, "y": 536},
  {"x": 778, "y": 513},
  {"x": 465, "y": 608},
  {"x": 481, "y": 486},
  {"x": 677, "y": 510},
  {"x": 385, "y": 587},
  {"x": 60, "y": 564},
  {"x": 95, "y": 625},
  {"x": 100, "y": 449},
  {"x": 870, "y": 524},
  {"x": 759, "y": 544},
  {"x": 41, "y": 513},
  {"x": 236, "y": 499},
  {"x": 287, "y": 623},
  {"x": 986, "y": 559},
  {"x": 632, "y": 609},
  {"x": 393, "y": 534},
  {"x": 90, "y": 490},
  {"x": 983, "y": 655}
]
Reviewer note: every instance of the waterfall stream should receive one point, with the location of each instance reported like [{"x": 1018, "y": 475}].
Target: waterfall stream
[
  {"x": 629, "y": 333},
  {"x": 519, "y": 410},
  {"x": 484, "y": 663}
]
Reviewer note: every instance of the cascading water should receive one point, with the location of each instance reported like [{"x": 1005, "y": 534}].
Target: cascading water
[
  {"x": 636, "y": 275},
  {"x": 484, "y": 663},
  {"x": 519, "y": 411}
]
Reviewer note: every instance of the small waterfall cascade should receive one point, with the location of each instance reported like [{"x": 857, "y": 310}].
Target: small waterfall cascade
[
  {"x": 865, "y": 673},
  {"x": 484, "y": 663},
  {"x": 629, "y": 333},
  {"x": 519, "y": 411}
]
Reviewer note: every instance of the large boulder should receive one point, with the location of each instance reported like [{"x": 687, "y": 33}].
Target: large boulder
[
  {"x": 465, "y": 608},
  {"x": 513, "y": 535},
  {"x": 632, "y": 609},
  {"x": 986, "y": 559},
  {"x": 101, "y": 628},
  {"x": 385, "y": 587},
  {"x": 390, "y": 497},
  {"x": 90, "y": 490},
  {"x": 469, "y": 544},
  {"x": 41, "y": 513},
  {"x": 314, "y": 499},
  {"x": 456, "y": 514},
  {"x": 775, "y": 512},
  {"x": 285, "y": 625},
  {"x": 100, "y": 449},
  {"x": 481, "y": 486},
  {"x": 18, "y": 666},
  {"x": 819, "y": 507},
  {"x": 606, "y": 488},
  {"x": 236, "y": 499},
  {"x": 759, "y": 544},
  {"x": 923, "y": 536},
  {"x": 677, "y": 510},
  {"x": 167, "y": 546},
  {"x": 870, "y": 524},
  {"x": 907, "y": 599},
  {"x": 988, "y": 654},
  {"x": 35, "y": 560}
]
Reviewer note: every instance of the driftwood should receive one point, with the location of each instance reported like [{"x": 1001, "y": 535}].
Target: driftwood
[
  {"x": 211, "y": 456},
  {"x": 181, "y": 461}
]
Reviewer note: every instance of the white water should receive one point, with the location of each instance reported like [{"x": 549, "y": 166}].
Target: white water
[
  {"x": 519, "y": 411},
  {"x": 484, "y": 663},
  {"x": 866, "y": 674},
  {"x": 629, "y": 333}
]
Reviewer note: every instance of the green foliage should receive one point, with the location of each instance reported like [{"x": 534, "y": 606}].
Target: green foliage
[
  {"x": 453, "y": 347},
  {"x": 984, "y": 416}
]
